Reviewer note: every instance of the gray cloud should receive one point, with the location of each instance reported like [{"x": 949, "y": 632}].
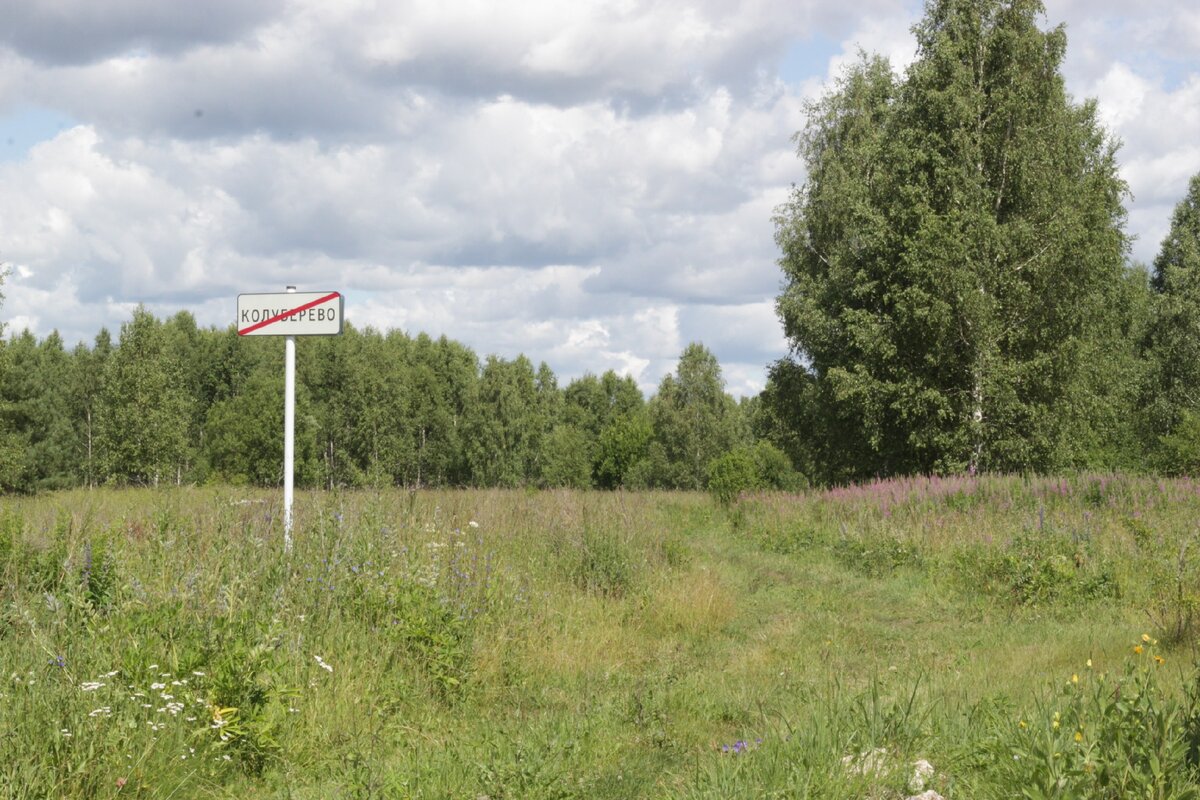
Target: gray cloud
[
  {"x": 78, "y": 31},
  {"x": 589, "y": 183}
]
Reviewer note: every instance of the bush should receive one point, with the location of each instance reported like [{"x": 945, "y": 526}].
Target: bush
[{"x": 731, "y": 474}]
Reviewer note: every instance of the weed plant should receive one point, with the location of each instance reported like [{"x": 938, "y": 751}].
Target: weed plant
[{"x": 160, "y": 644}]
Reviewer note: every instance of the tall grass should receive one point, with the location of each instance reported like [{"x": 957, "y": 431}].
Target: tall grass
[{"x": 573, "y": 644}]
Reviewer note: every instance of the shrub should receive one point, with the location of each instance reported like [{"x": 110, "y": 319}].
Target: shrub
[{"x": 731, "y": 474}]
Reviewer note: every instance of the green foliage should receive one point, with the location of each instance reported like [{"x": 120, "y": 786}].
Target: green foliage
[
  {"x": 600, "y": 645},
  {"x": 1041, "y": 569},
  {"x": 433, "y": 634},
  {"x": 622, "y": 444},
  {"x": 245, "y": 433},
  {"x": 1179, "y": 451},
  {"x": 1172, "y": 397},
  {"x": 953, "y": 264},
  {"x": 244, "y": 691},
  {"x": 746, "y": 469},
  {"x": 505, "y": 432},
  {"x": 598, "y": 560},
  {"x": 98, "y": 576},
  {"x": 877, "y": 555},
  {"x": 1174, "y": 607},
  {"x": 566, "y": 459},
  {"x": 141, "y": 431},
  {"x": 1105, "y": 735},
  {"x": 731, "y": 474},
  {"x": 693, "y": 419}
]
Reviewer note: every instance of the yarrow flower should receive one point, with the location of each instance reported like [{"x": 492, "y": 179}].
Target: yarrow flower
[
  {"x": 322, "y": 664},
  {"x": 90, "y": 686}
]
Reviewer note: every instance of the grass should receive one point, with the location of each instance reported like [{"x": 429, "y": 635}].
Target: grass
[{"x": 603, "y": 645}]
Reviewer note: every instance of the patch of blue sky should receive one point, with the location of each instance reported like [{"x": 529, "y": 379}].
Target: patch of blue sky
[
  {"x": 1171, "y": 73},
  {"x": 24, "y": 127},
  {"x": 808, "y": 58}
]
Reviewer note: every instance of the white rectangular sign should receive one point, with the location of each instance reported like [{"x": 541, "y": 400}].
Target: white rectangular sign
[{"x": 290, "y": 314}]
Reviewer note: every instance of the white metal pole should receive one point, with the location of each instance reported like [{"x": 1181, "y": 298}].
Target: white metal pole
[{"x": 289, "y": 432}]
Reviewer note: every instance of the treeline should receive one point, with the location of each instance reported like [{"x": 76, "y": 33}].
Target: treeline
[{"x": 171, "y": 402}]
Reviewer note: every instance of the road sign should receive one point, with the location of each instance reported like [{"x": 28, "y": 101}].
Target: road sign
[{"x": 290, "y": 314}]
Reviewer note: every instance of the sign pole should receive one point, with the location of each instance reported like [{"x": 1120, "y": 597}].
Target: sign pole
[
  {"x": 290, "y": 315},
  {"x": 289, "y": 432}
]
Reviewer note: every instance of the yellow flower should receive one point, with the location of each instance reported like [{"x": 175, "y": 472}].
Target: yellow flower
[
  {"x": 1021, "y": 724},
  {"x": 1159, "y": 660},
  {"x": 1089, "y": 664},
  {"x": 1146, "y": 638},
  {"x": 1074, "y": 679},
  {"x": 1079, "y": 736},
  {"x": 1138, "y": 649}
]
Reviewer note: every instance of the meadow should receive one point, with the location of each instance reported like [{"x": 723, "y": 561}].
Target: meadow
[{"x": 1026, "y": 637}]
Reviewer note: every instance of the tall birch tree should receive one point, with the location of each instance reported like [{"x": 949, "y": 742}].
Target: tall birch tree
[{"x": 954, "y": 262}]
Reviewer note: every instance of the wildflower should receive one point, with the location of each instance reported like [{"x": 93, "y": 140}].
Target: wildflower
[
  {"x": 90, "y": 686},
  {"x": 1146, "y": 638},
  {"x": 103, "y": 711},
  {"x": 1021, "y": 725},
  {"x": 1138, "y": 650},
  {"x": 198, "y": 674},
  {"x": 58, "y": 661},
  {"x": 1079, "y": 736},
  {"x": 157, "y": 686},
  {"x": 1159, "y": 660},
  {"x": 1074, "y": 679},
  {"x": 473, "y": 524},
  {"x": 323, "y": 665},
  {"x": 1089, "y": 663}
]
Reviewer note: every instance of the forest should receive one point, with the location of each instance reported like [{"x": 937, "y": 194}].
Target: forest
[
  {"x": 171, "y": 402},
  {"x": 958, "y": 298}
]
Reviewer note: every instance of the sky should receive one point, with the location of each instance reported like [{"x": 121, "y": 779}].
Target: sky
[{"x": 589, "y": 183}]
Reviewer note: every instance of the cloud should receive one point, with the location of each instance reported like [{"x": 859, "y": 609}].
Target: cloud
[
  {"x": 589, "y": 183},
  {"x": 78, "y": 31}
]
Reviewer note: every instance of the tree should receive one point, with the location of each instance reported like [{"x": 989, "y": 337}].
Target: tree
[
  {"x": 623, "y": 443},
  {"x": 693, "y": 419},
  {"x": 13, "y": 460},
  {"x": 443, "y": 377},
  {"x": 565, "y": 458},
  {"x": 144, "y": 414},
  {"x": 244, "y": 444},
  {"x": 1173, "y": 341},
  {"x": 955, "y": 260},
  {"x": 86, "y": 392},
  {"x": 503, "y": 430}
]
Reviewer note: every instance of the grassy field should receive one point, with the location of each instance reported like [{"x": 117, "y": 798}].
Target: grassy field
[{"x": 1026, "y": 637}]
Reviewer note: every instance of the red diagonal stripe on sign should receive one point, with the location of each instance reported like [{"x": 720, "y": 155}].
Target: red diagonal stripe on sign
[{"x": 296, "y": 310}]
